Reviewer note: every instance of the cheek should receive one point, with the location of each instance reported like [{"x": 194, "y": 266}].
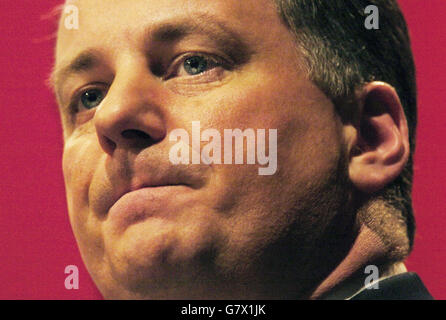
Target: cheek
[
  {"x": 309, "y": 136},
  {"x": 306, "y": 124},
  {"x": 79, "y": 163}
]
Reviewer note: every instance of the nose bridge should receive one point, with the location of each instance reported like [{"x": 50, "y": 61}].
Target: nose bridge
[{"x": 131, "y": 114}]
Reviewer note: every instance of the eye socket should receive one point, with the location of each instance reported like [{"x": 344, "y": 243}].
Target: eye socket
[
  {"x": 91, "y": 98},
  {"x": 194, "y": 65}
]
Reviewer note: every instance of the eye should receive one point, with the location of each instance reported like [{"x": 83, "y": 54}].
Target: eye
[
  {"x": 91, "y": 98},
  {"x": 195, "y": 65}
]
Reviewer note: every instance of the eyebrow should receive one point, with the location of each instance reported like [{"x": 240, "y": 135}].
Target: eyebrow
[
  {"x": 166, "y": 32},
  {"x": 83, "y": 62},
  {"x": 201, "y": 24}
]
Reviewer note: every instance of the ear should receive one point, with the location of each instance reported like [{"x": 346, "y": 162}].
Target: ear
[{"x": 381, "y": 148}]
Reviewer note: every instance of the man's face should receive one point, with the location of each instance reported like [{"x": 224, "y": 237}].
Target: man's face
[{"x": 147, "y": 228}]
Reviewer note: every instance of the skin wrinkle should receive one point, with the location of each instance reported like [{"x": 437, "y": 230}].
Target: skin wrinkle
[
  {"x": 367, "y": 248},
  {"x": 236, "y": 234},
  {"x": 385, "y": 220}
]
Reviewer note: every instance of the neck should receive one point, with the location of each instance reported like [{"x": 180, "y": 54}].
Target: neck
[{"x": 351, "y": 274}]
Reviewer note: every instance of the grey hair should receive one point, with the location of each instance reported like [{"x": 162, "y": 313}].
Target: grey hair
[{"x": 342, "y": 55}]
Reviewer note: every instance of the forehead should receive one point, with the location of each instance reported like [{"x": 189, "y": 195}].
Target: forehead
[{"x": 119, "y": 21}]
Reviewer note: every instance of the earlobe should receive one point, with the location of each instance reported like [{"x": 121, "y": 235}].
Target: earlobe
[{"x": 381, "y": 148}]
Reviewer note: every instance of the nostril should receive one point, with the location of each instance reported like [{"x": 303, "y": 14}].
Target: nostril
[
  {"x": 107, "y": 144},
  {"x": 135, "y": 134},
  {"x": 110, "y": 143},
  {"x": 137, "y": 139}
]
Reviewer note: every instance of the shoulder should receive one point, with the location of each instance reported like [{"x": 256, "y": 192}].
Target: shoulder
[{"x": 404, "y": 286}]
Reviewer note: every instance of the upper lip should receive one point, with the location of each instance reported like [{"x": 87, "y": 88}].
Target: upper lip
[
  {"x": 172, "y": 176},
  {"x": 127, "y": 173},
  {"x": 152, "y": 182},
  {"x": 163, "y": 181},
  {"x": 149, "y": 185}
]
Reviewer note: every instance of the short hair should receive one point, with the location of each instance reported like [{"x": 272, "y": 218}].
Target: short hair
[{"x": 342, "y": 55}]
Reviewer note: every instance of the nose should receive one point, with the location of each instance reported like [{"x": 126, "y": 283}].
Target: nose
[{"x": 131, "y": 114}]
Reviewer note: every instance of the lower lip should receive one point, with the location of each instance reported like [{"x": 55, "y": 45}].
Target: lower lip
[{"x": 136, "y": 206}]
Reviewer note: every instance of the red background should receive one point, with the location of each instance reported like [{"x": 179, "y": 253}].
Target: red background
[{"x": 36, "y": 242}]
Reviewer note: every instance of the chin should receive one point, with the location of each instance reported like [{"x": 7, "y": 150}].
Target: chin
[{"x": 152, "y": 258}]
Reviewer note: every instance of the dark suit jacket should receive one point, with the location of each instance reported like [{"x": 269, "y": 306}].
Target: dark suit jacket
[{"x": 404, "y": 286}]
